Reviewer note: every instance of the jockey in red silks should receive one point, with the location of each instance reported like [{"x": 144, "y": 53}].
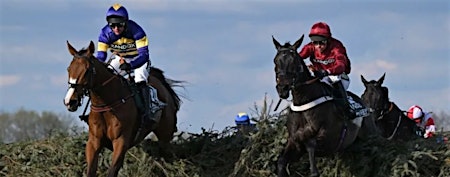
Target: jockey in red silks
[
  {"x": 424, "y": 120},
  {"x": 329, "y": 60}
]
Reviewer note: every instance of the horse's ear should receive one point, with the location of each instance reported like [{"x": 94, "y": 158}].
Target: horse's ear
[
  {"x": 72, "y": 50},
  {"x": 277, "y": 44},
  {"x": 364, "y": 81},
  {"x": 298, "y": 42},
  {"x": 381, "y": 80},
  {"x": 91, "y": 48}
]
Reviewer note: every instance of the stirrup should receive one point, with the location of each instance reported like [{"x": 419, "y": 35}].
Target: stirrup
[{"x": 155, "y": 116}]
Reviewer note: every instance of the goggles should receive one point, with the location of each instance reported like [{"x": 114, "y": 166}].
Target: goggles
[
  {"x": 113, "y": 25},
  {"x": 324, "y": 42}
]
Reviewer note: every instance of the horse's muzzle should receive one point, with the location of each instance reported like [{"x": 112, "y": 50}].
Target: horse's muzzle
[
  {"x": 283, "y": 91},
  {"x": 73, "y": 105}
]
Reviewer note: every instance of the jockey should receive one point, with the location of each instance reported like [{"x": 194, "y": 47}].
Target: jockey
[
  {"x": 242, "y": 121},
  {"x": 423, "y": 120},
  {"x": 128, "y": 41},
  {"x": 330, "y": 61}
]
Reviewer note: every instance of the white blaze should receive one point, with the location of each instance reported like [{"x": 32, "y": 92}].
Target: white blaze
[{"x": 70, "y": 91}]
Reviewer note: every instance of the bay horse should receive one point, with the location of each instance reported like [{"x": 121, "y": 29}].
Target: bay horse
[
  {"x": 315, "y": 123},
  {"x": 390, "y": 119},
  {"x": 114, "y": 119}
]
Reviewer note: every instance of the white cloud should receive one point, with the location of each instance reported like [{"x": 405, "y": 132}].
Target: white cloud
[
  {"x": 9, "y": 80},
  {"x": 385, "y": 65}
]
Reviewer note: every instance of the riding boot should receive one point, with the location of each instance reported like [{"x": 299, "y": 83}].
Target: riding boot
[
  {"x": 156, "y": 105},
  {"x": 144, "y": 107},
  {"x": 152, "y": 106},
  {"x": 341, "y": 96}
]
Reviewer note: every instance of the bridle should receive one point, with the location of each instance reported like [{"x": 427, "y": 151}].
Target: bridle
[
  {"x": 294, "y": 76},
  {"x": 90, "y": 73},
  {"x": 298, "y": 71},
  {"x": 90, "y": 86},
  {"x": 383, "y": 112}
]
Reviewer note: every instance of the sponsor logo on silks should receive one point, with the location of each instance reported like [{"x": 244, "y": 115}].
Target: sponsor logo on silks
[
  {"x": 123, "y": 46},
  {"x": 324, "y": 62},
  {"x": 359, "y": 109},
  {"x": 362, "y": 112}
]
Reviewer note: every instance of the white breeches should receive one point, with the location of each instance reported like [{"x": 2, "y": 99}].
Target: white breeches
[
  {"x": 345, "y": 80},
  {"x": 140, "y": 74}
]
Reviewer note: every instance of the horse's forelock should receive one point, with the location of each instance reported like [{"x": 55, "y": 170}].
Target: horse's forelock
[
  {"x": 287, "y": 44},
  {"x": 83, "y": 52},
  {"x": 372, "y": 82}
]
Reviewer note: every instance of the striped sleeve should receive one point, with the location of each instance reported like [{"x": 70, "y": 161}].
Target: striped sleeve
[{"x": 102, "y": 46}]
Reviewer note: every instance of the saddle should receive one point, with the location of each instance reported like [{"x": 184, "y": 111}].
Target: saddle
[{"x": 357, "y": 105}]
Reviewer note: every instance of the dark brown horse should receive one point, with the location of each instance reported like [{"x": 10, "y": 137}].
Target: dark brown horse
[
  {"x": 391, "y": 121},
  {"x": 315, "y": 122},
  {"x": 114, "y": 120}
]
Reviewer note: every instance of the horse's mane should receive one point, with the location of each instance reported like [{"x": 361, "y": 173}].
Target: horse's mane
[
  {"x": 168, "y": 83},
  {"x": 385, "y": 92}
]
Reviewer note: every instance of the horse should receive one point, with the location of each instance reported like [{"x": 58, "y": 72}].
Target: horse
[
  {"x": 114, "y": 120},
  {"x": 315, "y": 122},
  {"x": 390, "y": 119}
]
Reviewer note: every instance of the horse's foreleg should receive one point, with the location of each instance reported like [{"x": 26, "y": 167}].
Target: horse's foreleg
[
  {"x": 118, "y": 155},
  {"x": 311, "y": 148},
  {"x": 287, "y": 155},
  {"x": 93, "y": 148},
  {"x": 307, "y": 133}
]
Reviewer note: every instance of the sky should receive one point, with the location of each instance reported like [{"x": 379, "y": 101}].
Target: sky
[{"x": 224, "y": 49}]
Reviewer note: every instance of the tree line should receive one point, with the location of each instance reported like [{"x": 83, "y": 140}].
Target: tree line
[{"x": 25, "y": 125}]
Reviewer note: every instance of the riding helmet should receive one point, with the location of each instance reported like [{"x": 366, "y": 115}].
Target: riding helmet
[
  {"x": 242, "y": 118},
  {"x": 320, "y": 31},
  {"x": 414, "y": 112},
  {"x": 117, "y": 14}
]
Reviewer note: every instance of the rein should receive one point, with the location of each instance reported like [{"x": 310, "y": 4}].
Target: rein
[
  {"x": 396, "y": 128},
  {"x": 305, "y": 83},
  {"x": 383, "y": 113},
  {"x": 100, "y": 108},
  {"x": 111, "y": 106},
  {"x": 310, "y": 104}
]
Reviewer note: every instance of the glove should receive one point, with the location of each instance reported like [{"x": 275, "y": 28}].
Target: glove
[
  {"x": 428, "y": 134},
  {"x": 321, "y": 73},
  {"x": 125, "y": 66}
]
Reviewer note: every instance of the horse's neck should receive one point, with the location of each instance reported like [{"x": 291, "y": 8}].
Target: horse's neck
[
  {"x": 395, "y": 109},
  {"x": 305, "y": 93},
  {"x": 108, "y": 87}
]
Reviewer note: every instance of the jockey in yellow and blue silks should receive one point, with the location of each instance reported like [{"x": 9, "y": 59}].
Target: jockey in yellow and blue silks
[{"x": 128, "y": 41}]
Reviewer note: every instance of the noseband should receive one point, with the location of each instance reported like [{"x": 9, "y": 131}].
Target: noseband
[{"x": 297, "y": 73}]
